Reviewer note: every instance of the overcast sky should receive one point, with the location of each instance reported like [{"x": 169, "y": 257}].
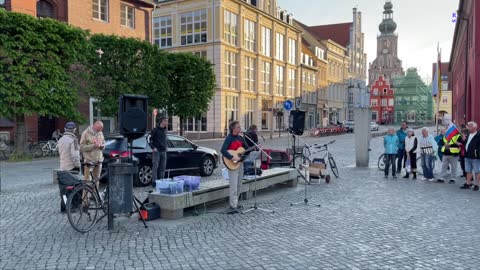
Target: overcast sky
[{"x": 421, "y": 24}]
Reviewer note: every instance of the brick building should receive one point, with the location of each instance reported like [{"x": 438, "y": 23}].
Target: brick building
[
  {"x": 128, "y": 18},
  {"x": 382, "y": 101},
  {"x": 465, "y": 63}
]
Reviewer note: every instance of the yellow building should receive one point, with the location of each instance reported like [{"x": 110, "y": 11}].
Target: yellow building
[
  {"x": 337, "y": 78},
  {"x": 255, "y": 51},
  {"x": 445, "y": 104},
  {"x": 309, "y": 86}
]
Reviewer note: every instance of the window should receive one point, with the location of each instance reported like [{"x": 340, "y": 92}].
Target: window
[
  {"x": 279, "y": 47},
  {"x": 193, "y": 27},
  {"x": 44, "y": 9},
  {"x": 444, "y": 86},
  {"x": 279, "y": 82},
  {"x": 390, "y": 102},
  {"x": 230, "y": 70},
  {"x": 100, "y": 10},
  {"x": 374, "y": 116},
  {"x": 384, "y": 91},
  {"x": 249, "y": 112},
  {"x": 249, "y": 35},
  {"x": 201, "y": 54},
  {"x": 230, "y": 28},
  {"x": 265, "y": 120},
  {"x": 266, "y": 77},
  {"x": 319, "y": 53},
  {"x": 231, "y": 108},
  {"x": 375, "y": 91},
  {"x": 192, "y": 123},
  {"x": 291, "y": 82},
  {"x": 303, "y": 77},
  {"x": 179, "y": 142},
  {"x": 127, "y": 16},
  {"x": 384, "y": 102},
  {"x": 411, "y": 117},
  {"x": 266, "y": 42},
  {"x": 444, "y": 100},
  {"x": 162, "y": 31},
  {"x": 292, "y": 51},
  {"x": 374, "y": 102},
  {"x": 249, "y": 73},
  {"x": 350, "y": 97}
]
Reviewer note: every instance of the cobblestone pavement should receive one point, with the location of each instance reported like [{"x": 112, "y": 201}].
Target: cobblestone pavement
[{"x": 365, "y": 222}]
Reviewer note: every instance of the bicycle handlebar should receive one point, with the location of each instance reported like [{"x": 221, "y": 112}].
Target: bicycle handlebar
[{"x": 324, "y": 145}]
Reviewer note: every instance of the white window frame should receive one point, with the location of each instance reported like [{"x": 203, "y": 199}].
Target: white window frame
[
  {"x": 292, "y": 51},
  {"x": 279, "y": 46},
  {"x": 319, "y": 53},
  {"x": 162, "y": 31},
  {"x": 384, "y": 102},
  {"x": 266, "y": 43},
  {"x": 188, "y": 29},
  {"x": 266, "y": 77},
  {"x": 279, "y": 80},
  {"x": 231, "y": 27},
  {"x": 249, "y": 115},
  {"x": 97, "y": 8},
  {"x": 292, "y": 82},
  {"x": 230, "y": 70},
  {"x": 374, "y": 113},
  {"x": 249, "y": 33},
  {"x": 374, "y": 102},
  {"x": 249, "y": 75},
  {"x": 231, "y": 107},
  {"x": 125, "y": 14}
]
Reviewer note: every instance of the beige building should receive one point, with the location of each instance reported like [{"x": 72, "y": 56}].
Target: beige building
[
  {"x": 337, "y": 77},
  {"x": 254, "y": 48},
  {"x": 309, "y": 86}
]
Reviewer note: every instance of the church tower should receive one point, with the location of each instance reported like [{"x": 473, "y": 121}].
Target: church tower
[{"x": 386, "y": 63}]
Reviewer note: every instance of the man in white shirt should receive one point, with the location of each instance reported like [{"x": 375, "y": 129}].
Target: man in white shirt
[{"x": 472, "y": 157}]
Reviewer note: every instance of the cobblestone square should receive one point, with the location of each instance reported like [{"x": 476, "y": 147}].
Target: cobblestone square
[{"x": 364, "y": 222}]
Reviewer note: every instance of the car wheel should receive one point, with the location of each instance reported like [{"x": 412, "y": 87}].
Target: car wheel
[
  {"x": 144, "y": 177},
  {"x": 207, "y": 166}
]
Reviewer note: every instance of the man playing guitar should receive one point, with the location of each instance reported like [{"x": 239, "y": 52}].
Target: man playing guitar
[{"x": 233, "y": 142}]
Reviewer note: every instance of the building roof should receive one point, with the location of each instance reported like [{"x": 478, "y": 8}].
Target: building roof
[
  {"x": 6, "y": 123},
  {"x": 145, "y": 2},
  {"x": 340, "y": 32}
]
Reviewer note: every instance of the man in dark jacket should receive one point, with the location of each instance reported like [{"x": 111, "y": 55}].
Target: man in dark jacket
[
  {"x": 472, "y": 156},
  {"x": 401, "y": 134},
  {"x": 158, "y": 143}
]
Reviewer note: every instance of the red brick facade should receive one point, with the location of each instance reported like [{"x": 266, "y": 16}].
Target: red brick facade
[
  {"x": 79, "y": 13},
  {"x": 382, "y": 100}
]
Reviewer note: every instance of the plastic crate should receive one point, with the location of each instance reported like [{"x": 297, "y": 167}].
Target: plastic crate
[{"x": 191, "y": 182}]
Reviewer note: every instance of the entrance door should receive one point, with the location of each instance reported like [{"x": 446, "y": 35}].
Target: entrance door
[{"x": 46, "y": 126}]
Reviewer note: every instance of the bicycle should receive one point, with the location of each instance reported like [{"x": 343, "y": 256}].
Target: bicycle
[
  {"x": 49, "y": 147},
  {"x": 310, "y": 150},
  {"x": 85, "y": 201},
  {"x": 381, "y": 163}
]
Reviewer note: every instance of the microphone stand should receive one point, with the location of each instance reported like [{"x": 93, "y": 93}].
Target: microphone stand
[
  {"x": 255, "y": 206},
  {"x": 304, "y": 176}
]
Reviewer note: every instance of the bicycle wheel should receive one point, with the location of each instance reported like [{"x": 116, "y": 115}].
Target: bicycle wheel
[
  {"x": 333, "y": 165},
  {"x": 381, "y": 162},
  {"x": 36, "y": 150},
  {"x": 82, "y": 208}
]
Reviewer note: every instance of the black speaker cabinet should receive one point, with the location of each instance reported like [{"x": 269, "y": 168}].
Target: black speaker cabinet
[
  {"x": 296, "y": 122},
  {"x": 132, "y": 116}
]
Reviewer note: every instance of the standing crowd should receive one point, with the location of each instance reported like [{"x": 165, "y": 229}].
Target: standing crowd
[{"x": 452, "y": 146}]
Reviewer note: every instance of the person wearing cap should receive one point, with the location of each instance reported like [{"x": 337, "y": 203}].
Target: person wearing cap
[
  {"x": 92, "y": 144},
  {"x": 69, "y": 149}
]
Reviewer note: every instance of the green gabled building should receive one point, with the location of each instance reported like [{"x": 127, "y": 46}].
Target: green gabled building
[{"x": 413, "y": 99}]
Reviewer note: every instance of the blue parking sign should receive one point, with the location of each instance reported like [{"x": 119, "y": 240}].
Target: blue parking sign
[{"x": 288, "y": 105}]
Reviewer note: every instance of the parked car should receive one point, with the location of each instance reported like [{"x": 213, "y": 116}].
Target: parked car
[
  {"x": 349, "y": 126},
  {"x": 183, "y": 157},
  {"x": 374, "y": 126}
]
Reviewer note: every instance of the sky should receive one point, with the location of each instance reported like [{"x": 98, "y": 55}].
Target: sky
[{"x": 421, "y": 25}]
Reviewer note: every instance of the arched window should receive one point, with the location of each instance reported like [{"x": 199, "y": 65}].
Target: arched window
[{"x": 45, "y": 9}]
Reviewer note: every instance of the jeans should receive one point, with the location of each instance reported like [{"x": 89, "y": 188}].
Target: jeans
[
  {"x": 401, "y": 154},
  {"x": 427, "y": 165},
  {"x": 159, "y": 161},
  {"x": 390, "y": 159}
]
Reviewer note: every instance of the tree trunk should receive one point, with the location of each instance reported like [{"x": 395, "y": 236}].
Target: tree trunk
[
  {"x": 181, "y": 125},
  {"x": 20, "y": 138}
]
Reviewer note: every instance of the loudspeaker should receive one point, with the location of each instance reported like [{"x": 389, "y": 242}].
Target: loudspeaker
[
  {"x": 132, "y": 116},
  {"x": 296, "y": 122}
]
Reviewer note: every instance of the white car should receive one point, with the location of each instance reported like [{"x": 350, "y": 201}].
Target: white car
[{"x": 374, "y": 126}]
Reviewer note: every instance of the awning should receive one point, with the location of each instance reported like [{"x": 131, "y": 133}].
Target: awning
[{"x": 6, "y": 123}]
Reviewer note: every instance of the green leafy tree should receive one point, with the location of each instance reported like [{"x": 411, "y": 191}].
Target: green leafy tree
[
  {"x": 125, "y": 66},
  {"x": 192, "y": 83},
  {"x": 38, "y": 59}
]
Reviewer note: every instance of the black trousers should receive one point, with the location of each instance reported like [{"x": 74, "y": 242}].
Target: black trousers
[
  {"x": 462, "y": 165},
  {"x": 401, "y": 155}
]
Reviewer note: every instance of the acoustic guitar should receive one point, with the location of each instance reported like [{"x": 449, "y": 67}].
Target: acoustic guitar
[{"x": 240, "y": 153}]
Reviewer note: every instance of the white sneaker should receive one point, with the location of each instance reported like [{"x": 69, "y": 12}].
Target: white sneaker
[
  {"x": 423, "y": 178},
  {"x": 431, "y": 179}
]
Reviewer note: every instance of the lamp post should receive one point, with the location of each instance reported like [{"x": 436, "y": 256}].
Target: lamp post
[{"x": 100, "y": 52}]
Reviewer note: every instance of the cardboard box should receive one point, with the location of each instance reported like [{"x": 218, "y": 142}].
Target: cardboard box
[{"x": 317, "y": 169}]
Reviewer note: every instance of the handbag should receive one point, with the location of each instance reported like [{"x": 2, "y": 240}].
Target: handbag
[{"x": 408, "y": 166}]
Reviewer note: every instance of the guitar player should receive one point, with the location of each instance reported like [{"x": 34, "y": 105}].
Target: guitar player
[{"x": 232, "y": 142}]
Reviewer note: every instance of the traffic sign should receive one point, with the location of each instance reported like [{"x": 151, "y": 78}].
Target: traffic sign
[
  {"x": 288, "y": 105},
  {"x": 298, "y": 103}
]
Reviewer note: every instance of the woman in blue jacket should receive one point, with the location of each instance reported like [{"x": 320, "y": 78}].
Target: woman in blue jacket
[{"x": 391, "y": 144}]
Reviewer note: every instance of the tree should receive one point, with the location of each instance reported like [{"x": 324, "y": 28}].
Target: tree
[
  {"x": 37, "y": 64},
  {"x": 192, "y": 83},
  {"x": 125, "y": 66}
]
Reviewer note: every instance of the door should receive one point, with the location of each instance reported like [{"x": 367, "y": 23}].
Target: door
[{"x": 178, "y": 153}]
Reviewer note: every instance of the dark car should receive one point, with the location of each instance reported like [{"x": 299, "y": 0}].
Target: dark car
[{"x": 183, "y": 157}]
